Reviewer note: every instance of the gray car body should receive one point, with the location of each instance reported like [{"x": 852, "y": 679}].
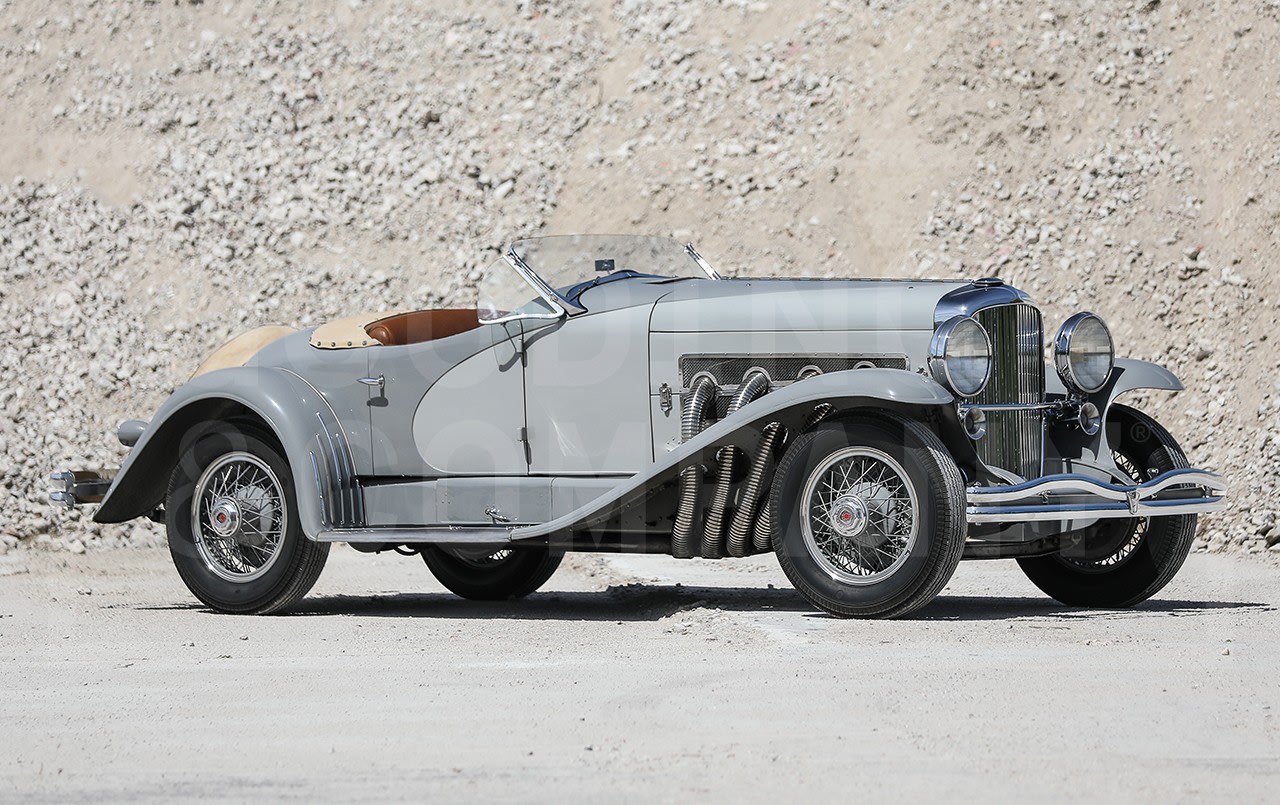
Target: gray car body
[{"x": 551, "y": 428}]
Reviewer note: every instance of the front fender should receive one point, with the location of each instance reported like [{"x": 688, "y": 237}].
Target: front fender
[
  {"x": 892, "y": 389},
  {"x": 1130, "y": 374},
  {"x": 307, "y": 429}
]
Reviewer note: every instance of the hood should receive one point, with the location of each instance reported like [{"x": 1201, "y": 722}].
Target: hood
[{"x": 789, "y": 305}]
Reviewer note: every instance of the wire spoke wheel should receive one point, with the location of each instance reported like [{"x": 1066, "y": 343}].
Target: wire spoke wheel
[
  {"x": 238, "y": 517},
  {"x": 1121, "y": 562},
  {"x": 1123, "y": 545},
  {"x": 849, "y": 526},
  {"x": 861, "y": 515},
  {"x": 482, "y": 560},
  {"x": 490, "y": 573}
]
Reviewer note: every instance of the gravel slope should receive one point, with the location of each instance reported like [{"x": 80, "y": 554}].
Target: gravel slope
[
  {"x": 384, "y": 687},
  {"x": 172, "y": 174}
]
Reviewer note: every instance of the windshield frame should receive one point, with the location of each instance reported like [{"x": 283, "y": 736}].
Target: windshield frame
[{"x": 560, "y": 306}]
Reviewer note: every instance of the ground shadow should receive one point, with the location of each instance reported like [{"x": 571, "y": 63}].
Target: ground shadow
[
  {"x": 651, "y": 602},
  {"x": 991, "y": 607}
]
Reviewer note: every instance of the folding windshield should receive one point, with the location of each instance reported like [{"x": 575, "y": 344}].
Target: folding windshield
[{"x": 543, "y": 277}]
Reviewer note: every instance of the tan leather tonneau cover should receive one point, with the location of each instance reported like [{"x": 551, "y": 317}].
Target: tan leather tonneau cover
[
  {"x": 350, "y": 332},
  {"x": 241, "y": 348}
]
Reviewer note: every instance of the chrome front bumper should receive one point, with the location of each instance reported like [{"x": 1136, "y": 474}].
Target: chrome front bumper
[{"x": 1078, "y": 497}]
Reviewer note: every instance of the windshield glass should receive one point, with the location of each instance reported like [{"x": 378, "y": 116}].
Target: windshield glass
[{"x": 570, "y": 264}]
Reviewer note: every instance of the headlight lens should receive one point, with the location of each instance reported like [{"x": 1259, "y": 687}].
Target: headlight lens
[
  {"x": 960, "y": 356},
  {"x": 1084, "y": 353}
]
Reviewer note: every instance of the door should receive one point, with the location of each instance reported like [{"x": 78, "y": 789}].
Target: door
[
  {"x": 453, "y": 406},
  {"x": 587, "y": 393}
]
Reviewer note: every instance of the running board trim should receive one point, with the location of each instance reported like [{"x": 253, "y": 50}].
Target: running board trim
[{"x": 430, "y": 535}]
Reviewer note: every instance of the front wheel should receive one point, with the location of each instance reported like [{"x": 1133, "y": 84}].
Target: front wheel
[
  {"x": 487, "y": 575},
  {"x": 868, "y": 516},
  {"x": 1121, "y": 562},
  {"x": 232, "y": 521}
]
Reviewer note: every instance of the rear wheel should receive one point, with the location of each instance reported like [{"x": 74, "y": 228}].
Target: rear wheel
[
  {"x": 232, "y": 521},
  {"x": 1122, "y": 562},
  {"x": 868, "y": 516},
  {"x": 487, "y": 575}
]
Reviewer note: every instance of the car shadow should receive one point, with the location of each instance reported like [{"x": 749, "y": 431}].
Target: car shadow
[
  {"x": 984, "y": 607},
  {"x": 652, "y": 602}
]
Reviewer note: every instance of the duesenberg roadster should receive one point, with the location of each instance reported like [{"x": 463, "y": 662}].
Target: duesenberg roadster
[{"x": 617, "y": 394}]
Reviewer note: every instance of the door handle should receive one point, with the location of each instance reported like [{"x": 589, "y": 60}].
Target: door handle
[{"x": 380, "y": 381}]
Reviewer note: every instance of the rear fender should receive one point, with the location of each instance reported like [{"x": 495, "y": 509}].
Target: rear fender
[{"x": 299, "y": 418}]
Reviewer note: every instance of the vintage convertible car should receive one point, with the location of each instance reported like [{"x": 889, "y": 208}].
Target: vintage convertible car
[{"x": 616, "y": 394}]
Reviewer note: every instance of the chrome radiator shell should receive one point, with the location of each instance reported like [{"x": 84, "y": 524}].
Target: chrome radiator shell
[{"x": 1015, "y": 438}]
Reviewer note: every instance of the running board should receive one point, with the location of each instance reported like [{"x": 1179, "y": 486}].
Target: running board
[{"x": 429, "y": 535}]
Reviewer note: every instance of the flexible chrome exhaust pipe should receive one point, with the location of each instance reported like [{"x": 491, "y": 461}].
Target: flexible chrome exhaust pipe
[
  {"x": 740, "y": 538},
  {"x": 753, "y": 386},
  {"x": 692, "y": 418},
  {"x": 762, "y": 532}
]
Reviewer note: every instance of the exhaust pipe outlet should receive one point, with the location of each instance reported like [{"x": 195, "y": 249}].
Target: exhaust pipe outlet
[
  {"x": 692, "y": 418},
  {"x": 753, "y": 386}
]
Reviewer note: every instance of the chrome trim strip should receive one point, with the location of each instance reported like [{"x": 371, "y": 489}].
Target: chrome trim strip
[
  {"x": 326, "y": 516},
  {"x": 438, "y": 535},
  {"x": 338, "y": 483},
  {"x": 345, "y": 480},
  {"x": 1043, "y": 406}
]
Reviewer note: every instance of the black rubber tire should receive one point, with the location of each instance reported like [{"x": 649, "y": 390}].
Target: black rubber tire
[
  {"x": 1155, "y": 560},
  {"x": 942, "y": 527},
  {"x": 519, "y": 574},
  {"x": 295, "y": 570}
]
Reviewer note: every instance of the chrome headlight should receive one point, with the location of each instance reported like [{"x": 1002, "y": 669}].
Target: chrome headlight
[
  {"x": 1084, "y": 353},
  {"x": 960, "y": 356}
]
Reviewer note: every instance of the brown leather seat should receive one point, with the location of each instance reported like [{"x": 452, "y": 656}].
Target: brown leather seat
[{"x": 422, "y": 325}]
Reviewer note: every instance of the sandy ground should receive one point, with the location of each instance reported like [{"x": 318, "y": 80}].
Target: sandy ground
[{"x": 616, "y": 683}]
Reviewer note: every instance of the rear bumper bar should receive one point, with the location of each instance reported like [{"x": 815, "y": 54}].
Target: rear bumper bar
[
  {"x": 73, "y": 487},
  {"x": 1078, "y": 497}
]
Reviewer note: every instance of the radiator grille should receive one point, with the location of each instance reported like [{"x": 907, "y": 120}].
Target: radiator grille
[
  {"x": 1015, "y": 439},
  {"x": 728, "y": 370}
]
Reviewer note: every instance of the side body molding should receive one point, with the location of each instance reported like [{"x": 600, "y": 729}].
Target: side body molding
[
  {"x": 891, "y": 389},
  {"x": 314, "y": 442}
]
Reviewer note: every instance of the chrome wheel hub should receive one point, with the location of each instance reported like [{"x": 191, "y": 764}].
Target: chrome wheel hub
[
  {"x": 848, "y": 516},
  {"x": 224, "y": 518},
  {"x": 861, "y": 515}
]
